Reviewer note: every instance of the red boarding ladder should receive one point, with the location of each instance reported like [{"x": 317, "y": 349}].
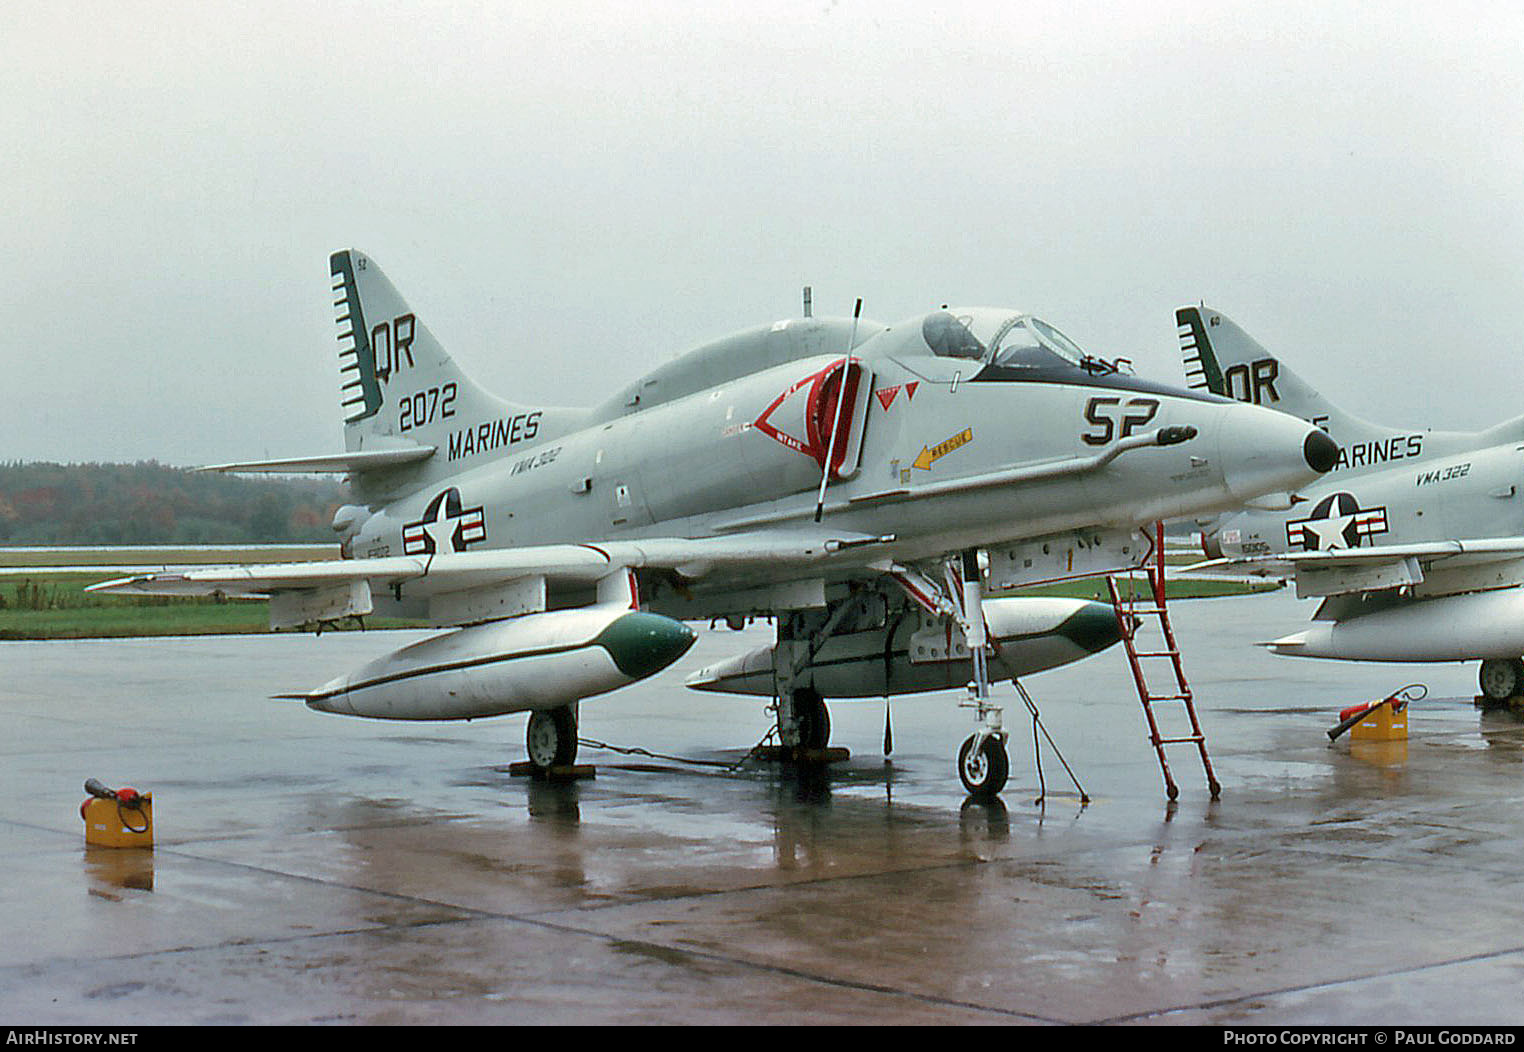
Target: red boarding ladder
[{"x": 1133, "y": 612}]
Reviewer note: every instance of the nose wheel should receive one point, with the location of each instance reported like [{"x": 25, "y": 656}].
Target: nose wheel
[{"x": 983, "y": 765}]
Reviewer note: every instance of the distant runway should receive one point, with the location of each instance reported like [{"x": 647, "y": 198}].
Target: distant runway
[{"x": 318, "y": 869}]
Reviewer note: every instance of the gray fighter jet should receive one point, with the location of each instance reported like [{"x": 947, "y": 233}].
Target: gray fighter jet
[
  {"x": 1414, "y": 541},
  {"x": 873, "y": 488}
]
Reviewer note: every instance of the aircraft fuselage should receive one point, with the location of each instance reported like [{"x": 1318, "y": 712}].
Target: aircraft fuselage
[
  {"x": 939, "y": 452},
  {"x": 1471, "y": 493}
]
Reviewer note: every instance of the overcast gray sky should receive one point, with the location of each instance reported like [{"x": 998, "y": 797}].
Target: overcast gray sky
[{"x": 570, "y": 193}]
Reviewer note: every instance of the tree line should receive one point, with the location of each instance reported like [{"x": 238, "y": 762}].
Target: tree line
[{"x": 150, "y": 503}]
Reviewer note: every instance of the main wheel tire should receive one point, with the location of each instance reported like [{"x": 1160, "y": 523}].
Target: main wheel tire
[
  {"x": 813, "y": 719},
  {"x": 1501, "y": 678},
  {"x": 983, "y": 771},
  {"x": 552, "y": 737}
]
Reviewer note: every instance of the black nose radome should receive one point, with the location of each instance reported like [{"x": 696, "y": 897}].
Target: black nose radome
[{"x": 1321, "y": 451}]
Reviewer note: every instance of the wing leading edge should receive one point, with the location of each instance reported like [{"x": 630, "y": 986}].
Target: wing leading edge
[
  {"x": 466, "y": 572},
  {"x": 1474, "y": 563}
]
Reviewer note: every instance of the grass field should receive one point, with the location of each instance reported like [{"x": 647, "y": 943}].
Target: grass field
[{"x": 56, "y": 606}]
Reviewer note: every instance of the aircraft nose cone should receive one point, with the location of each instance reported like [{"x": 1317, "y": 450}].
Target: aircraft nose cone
[
  {"x": 1320, "y": 451},
  {"x": 1263, "y": 451}
]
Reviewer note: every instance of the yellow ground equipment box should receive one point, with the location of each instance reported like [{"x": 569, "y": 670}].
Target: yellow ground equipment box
[
  {"x": 117, "y": 817},
  {"x": 1385, "y": 723},
  {"x": 1380, "y": 721}
]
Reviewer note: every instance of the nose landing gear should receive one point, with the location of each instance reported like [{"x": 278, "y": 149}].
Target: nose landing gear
[{"x": 984, "y": 765}]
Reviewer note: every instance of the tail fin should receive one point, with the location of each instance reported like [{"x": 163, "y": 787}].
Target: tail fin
[
  {"x": 1222, "y": 358},
  {"x": 401, "y": 390}
]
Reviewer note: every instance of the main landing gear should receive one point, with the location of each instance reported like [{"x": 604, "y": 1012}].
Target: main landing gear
[
  {"x": 983, "y": 763},
  {"x": 811, "y": 719},
  {"x": 804, "y": 726},
  {"x": 1501, "y": 679}
]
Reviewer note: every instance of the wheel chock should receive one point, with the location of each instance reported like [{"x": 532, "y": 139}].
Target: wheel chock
[
  {"x": 570, "y": 772},
  {"x": 791, "y": 754},
  {"x": 1513, "y": 704}
]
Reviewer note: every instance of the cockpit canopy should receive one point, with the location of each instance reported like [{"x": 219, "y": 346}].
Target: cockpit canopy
[{"x": 1000, "y": 338}]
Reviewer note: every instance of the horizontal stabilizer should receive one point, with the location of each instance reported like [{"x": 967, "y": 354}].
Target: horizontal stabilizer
[
  {"x": 1507, "y": 431},
  {"x": 346, "y": 463}
]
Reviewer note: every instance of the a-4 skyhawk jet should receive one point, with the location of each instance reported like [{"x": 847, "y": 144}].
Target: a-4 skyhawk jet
[
  {"x": 974, "y": 451},
  {"x": 1414, "y": 542}
]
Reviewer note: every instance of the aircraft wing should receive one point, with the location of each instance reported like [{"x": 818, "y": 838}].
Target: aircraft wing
[
  {"x": 1446, "y": 566},
  {"x": 467, "y": 586}
]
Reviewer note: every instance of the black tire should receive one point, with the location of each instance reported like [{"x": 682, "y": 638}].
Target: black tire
[
  {"x": 552, "y": 737},
  {"x": 814, "y": 720},
  {"x": 1501, "y": 678},
  {"x": 983, "y": 773}
]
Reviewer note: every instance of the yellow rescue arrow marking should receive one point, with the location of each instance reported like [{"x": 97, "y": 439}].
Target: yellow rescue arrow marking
[{"x": 931, "y": 454}]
